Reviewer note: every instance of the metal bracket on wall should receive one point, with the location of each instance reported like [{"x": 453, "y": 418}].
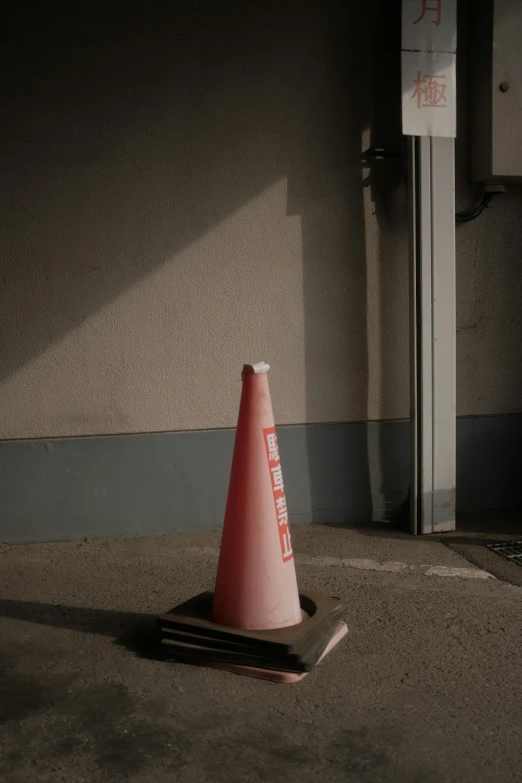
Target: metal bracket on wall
[
  {"x": 432, "y": 334},
  {"x": 372, "y": 154}
]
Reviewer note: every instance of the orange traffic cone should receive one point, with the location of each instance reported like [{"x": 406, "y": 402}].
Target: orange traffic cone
[
  {"x": 256, "y": 585},
  {"x": 256, "y": 622}
]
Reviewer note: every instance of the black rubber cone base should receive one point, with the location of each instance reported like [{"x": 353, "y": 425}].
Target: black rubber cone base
[{"x": 188, "y": 634}]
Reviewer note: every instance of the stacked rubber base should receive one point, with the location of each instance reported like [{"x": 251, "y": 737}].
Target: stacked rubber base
[{"x": 285, "y": 654}]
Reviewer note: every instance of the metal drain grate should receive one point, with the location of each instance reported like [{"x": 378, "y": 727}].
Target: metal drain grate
[{"x": 511, "y": 550}]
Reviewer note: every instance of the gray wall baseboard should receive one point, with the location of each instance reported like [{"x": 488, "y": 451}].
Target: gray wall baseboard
[{"x": 129, "y": 485}]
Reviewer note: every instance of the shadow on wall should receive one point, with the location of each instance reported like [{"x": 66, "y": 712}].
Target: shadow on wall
[
  {"x": 130, "y": 131},
  {"x": 334, "y": 265},
  {"x": 367, "y": 298},
  {"x": 488, "y": 269},
  {"x": 388, "y": 275}
]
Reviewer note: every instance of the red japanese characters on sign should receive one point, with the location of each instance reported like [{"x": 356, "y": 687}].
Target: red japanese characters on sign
[
  {"x": 429, "y": 26},
  {"x": 278, "y": 491},
  {"x": 434, "y": 8},
  {"x": 429, "y": 66},
  {"x": 430, "y": 91}
]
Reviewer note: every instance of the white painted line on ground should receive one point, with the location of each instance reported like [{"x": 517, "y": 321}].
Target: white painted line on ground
[
  {"x": 364, "y": 564},
  {"x": 349, "y": 562},
  {"x": 394, "y": 567},
  {"x": 463, "y": 573}
]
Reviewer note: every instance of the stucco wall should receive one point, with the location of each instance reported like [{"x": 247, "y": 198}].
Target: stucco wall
[
  {"x": 182, "y": 192},
  {"x": 489, "y": 274}
]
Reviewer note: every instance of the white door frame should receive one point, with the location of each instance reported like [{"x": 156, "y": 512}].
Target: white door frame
[{"x": 432, "y": 334}]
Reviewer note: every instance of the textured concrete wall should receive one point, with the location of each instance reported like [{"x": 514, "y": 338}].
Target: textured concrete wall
[
  {"x": 182, "y": 191},
  {"x": 489, "y": 276}
]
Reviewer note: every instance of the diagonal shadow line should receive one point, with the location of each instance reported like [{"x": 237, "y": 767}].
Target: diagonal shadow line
[
  {"x": 124, "y": 160},
  {"x": 102, "y": 184}
]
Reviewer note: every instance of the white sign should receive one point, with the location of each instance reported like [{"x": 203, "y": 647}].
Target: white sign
[
  {"x": 429, "y": 25},
  {"x": 429, "y": 93}
]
